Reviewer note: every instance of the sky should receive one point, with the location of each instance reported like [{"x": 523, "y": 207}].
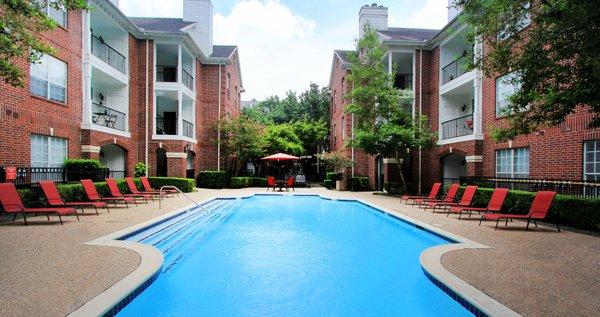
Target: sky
[{"x": 288, "y": 44}]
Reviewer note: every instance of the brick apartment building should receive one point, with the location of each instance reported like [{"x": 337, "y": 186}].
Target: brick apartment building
[
  {"x": 461, "y": 106},
  {"x": 124, "y": 90}
]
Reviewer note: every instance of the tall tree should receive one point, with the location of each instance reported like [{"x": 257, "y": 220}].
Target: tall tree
[
  {"x": 551, "y": 47},
  {"x": 312, "y": 135},
  {"x": 383, "y": 125},
  {"x": 315, "y": 103},
  {"x": 282, "y": 138},
  {"x": 243, "y": 139},
  {"x": 21, "y": 23}
]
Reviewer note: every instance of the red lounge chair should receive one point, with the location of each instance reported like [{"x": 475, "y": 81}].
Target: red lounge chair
[
  {"x": 133, "y": 188},
  {"x": 149, "y": 190},
  {"x": 450, "y": 196},
  {"x": 465, "y": 201},
  {"x": 54, "y": 199},
  {"x": 92, "y": 193},
  {"x": 538, "y": 211},
  {"x": 435, "y": 191},
  {"x": 495, "y": 204},
  {"x": 271, "y": 183},
  {"x": 291, "y": 181},
  {"x": 113, "y": 187},
  {"x": 12, "y": 204}
]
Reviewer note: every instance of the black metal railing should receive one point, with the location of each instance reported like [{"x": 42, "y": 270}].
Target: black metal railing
[
  {"x": 166, "y": 129},
  {"x": 190, "y": 173},
  {"x": 188, "y": 129},
  {"x": 166, "y": 73},
  {"x": 108, "y": 54},
  {"x": 108, "y": 117},
  {"x": 447, "y": 181},
  {"x": 454, "y": 70},
  {"x": 460, "y": 126},
  {"x": 188, "y": 80},
  {"x": 404, "y": 81},
  {"x": 27, "y": 176},
  {"x": 577, "y": 188},
  {"x": 117, "y": 174}
]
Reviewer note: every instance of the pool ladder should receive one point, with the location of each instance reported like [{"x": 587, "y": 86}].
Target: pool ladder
[{"x": 160, "y": 195}]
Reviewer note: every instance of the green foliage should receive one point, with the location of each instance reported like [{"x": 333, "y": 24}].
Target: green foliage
[
  {"x": 140, "y": 169},
  {"x": 333, "y": 176},
  {"x": 336, "y": 161},
  {"x": 359, "y": 184},
  {"x": 82, "y": 164},
  {"x": 556, "y": 57},
  {"x": 243, "y": 139},
  {"x": 311, "y": 134},
  {"x": 329, "y": 184},
  {"x": 393, "y": 188},
  {"x": 186, "y": 185},
  {"x": 577, "y": 212},
  {"x": 21, "y": 21},
  {"x": 282, "y": 138},
  {"x": 212, "y": 179},
  {"x": 78, "y": 169},
  {"x": 243, "y": 182}
]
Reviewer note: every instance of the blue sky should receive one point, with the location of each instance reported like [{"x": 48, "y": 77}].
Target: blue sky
[{"x": 287, "y": 44}]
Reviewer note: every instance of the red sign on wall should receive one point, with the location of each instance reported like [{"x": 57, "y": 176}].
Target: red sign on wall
[{"x": 11, "y": 173}]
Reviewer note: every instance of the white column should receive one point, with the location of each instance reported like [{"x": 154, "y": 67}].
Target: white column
[
  {"x": 478, "y": 92},
  {"x": 179, "y": 66},
  {"x": 179, "y": 112},
  {"x": 86, "y": 70},
  {"x": 390, "y": 63}
]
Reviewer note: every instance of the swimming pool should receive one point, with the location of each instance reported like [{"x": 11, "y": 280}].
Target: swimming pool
[{"x": 290, "y": 255}]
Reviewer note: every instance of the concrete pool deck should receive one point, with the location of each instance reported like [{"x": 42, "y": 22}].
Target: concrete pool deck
[{"x": 47, "y": 270}]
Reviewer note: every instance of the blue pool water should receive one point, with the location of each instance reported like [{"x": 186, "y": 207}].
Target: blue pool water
[{"x": 291, "y": 256}]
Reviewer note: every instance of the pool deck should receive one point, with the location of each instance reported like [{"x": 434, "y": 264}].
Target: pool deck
[{"x": 45, "y": 269}]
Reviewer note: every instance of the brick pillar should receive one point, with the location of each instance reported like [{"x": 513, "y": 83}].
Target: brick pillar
[
  {"x": 90, "y": 152},
  {"x": 176, "y": 164},
  {"x": 474, "y": 165}
]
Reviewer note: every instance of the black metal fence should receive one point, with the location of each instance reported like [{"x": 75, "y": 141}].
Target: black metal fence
[
  {"x": 460, "y": 126},
  {"x": 190, "y": 173},
  {"x": 577, "y": 188},
  {"x": 26, "y": 176}
]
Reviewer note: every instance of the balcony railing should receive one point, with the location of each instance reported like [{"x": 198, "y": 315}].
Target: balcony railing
[
  {"x": 28, "y": 176},
  {"x": 168, "y": 127},
  {"x": 107, "y": 117},
  {"x": 108, "y": 54},
  {"x": 166, "y": 73},
  {"x": 188, "y": 129},
  {"x": 460, "y": 126},
  {"x": 404, "y": 81},
  {"x": 454, "y": 69},
  {"x": 188, "y": 80},
  {"x": 571, "y": 187}
]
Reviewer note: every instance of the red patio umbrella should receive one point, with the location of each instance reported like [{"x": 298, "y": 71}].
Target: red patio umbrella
[{"x": 280, "y": 157}]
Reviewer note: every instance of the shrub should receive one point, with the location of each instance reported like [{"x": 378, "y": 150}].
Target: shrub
[
  {"x": 212, "y": 179},
  {"x": 332, "y": 176},
  {"x": 186, "y": 185},
  {"x": 329, "y": 184},
  {"x": 393, "y": 188},
  {"x": 359, "y": 183},
  {"x": 140, "y": 169},
  {"x": 259, "y": 182},
  {"x": 243, "y": 182},
  {"x": 577, "y": 212},
  {"x": 77, "y": 169}
]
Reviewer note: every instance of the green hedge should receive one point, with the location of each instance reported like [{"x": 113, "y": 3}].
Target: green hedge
[
  {"x": 332, "y": 176},
  {"x": 329, "y": 184},
  {"x": 243, "y": 182},
  {"x": 259, "y": 182},
  {"x": 185, "y": 184},
  {"x": 358, "y": 184},
  {"x": 212, "y": 179},
  {"x": 577, "y": 212},
  {"x": 393, "y": 188},
  {"x": 77, "y": 169}
]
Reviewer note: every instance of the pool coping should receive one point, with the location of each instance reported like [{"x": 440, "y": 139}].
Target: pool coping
[{"x": 121, "y": 293}]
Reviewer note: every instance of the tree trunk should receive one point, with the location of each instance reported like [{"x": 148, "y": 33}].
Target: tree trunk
[{"x": 401, "y": 172}]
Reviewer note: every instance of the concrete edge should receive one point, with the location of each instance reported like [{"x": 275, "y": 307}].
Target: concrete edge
[{"x": 152, "y": 259}]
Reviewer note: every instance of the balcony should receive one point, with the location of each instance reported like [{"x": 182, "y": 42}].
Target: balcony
[
  {"x": 174, "y": 116},
  {"x": 107, "y": 54},
  {"x": 454, "y": 70},
  {"x": 166, "y": 73},
  {"x": 174, "y": 64},
  {"x": 457, "y": 127},
  {"x": 107, "y": 117},
  {"x": 188, "y": 129},
  {"x": 188, "y": 80}
]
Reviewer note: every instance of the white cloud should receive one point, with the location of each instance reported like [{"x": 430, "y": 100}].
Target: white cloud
[
  {"x": 279, "y": 49},
  {"x": 152, "y": 8},
  {"x": 433, "y": 15}
]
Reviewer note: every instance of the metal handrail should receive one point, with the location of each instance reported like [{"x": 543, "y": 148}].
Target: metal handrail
[{"x": 160, "y": 192}]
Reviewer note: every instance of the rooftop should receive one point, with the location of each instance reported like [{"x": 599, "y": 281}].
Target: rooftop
[
  {"x": 161, "y": 25},
  {"x": 409, "y": 34}
]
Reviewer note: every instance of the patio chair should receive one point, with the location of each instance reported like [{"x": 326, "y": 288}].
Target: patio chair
[
  {"x": 538, "y": 211},
  {"x": 465, "y": 201},
  {"x": 113, "y": 187},
  {"x": 133, "y": 188},
  {"x": 271, "y": 183},
  {"x": 291, "y": 181},
  {"x": 450, "y": 196},
  {"x": 12, "y": 204},
  {"x": 149, "y": 190},
  {"x": 495, "y": 204},
  {"x": 435, "y": 191},
  {"x": 92, "y": 194},
  {"x": 54, "y": 199}
]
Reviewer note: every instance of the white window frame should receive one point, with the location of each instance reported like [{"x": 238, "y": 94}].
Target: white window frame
[
  {"x": 512, "y": 154},
  {"x": 595, "y": 173},
  {"x": 49, "y": 59},
  {"x": 46, "y": 7},
  {"x": 525, "y": 22},
  {"x": 48, "y": 139},
  {"x": 506, "y": 82}
]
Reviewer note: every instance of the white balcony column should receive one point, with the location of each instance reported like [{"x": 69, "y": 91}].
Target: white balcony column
[
  {"x": 390, "y": 63},
  {"x": 179, "y": 110},
  {"x": 179, "y": 67},
  {"x": 86, "y": 69},
  {"x": 478, "y": 92}
]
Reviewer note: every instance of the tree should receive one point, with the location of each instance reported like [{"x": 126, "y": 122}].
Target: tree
[
  {"x": 336, "y": 161},
  {"x": 281, "y": 138},
  {"x": 550, "y": 45},
  {"x": 21, "y": 22},
  {"x": 315, "y": 103},
  {"x": 311, "y": 134},
  {"x": 383, "y": 125},
  {"x": 243, "y": 140}
]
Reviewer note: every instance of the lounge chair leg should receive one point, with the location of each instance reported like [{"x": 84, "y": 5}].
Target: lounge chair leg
[
  {"x": 126, "y": 205},
  {"x": 107, "y": 209},
  {"x": 14, "y": 217},
  {"x": 557, "y": 227},
  {"x": 506, "y": 224},
  {"x": 527, "y": 227},
  {"x": 60, "y": 218},
  {"x": 460, "y": 215},
  {"x": 96, "y": 209},
  {"x": 76, "y": 215},
  {"x": 24, "y": 218},
  {"x": 497, "y": 222},
  {"x": 480, "y": 220},
  {"x": 48, "y": 216},
  {"x": 535, "y": 223}
]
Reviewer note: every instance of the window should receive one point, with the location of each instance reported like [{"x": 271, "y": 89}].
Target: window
[
  {"x": 506, "y": 86},
  {"x": 591, "y": 160},
  {"x": 49, "y": 79},
  {"x": 525, "y": 22},
  {"x": 512, "y": 163},
  {"x": 228, "y": 85},
  {"x": 47, "y": 151},
  {"x": 49, "y": 8}
]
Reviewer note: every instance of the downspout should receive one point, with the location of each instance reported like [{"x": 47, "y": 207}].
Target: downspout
[
  {"x": 352, "y": 147},
  {"x": 420, "y": 114},
  {"x": 219, "y": 125},
  {"x": 147, "y": 105}
]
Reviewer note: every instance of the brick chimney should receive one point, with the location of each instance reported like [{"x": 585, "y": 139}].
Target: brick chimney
[
  {"x": 374, "y": 15},
  {"x": 201, "y": 12}
]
